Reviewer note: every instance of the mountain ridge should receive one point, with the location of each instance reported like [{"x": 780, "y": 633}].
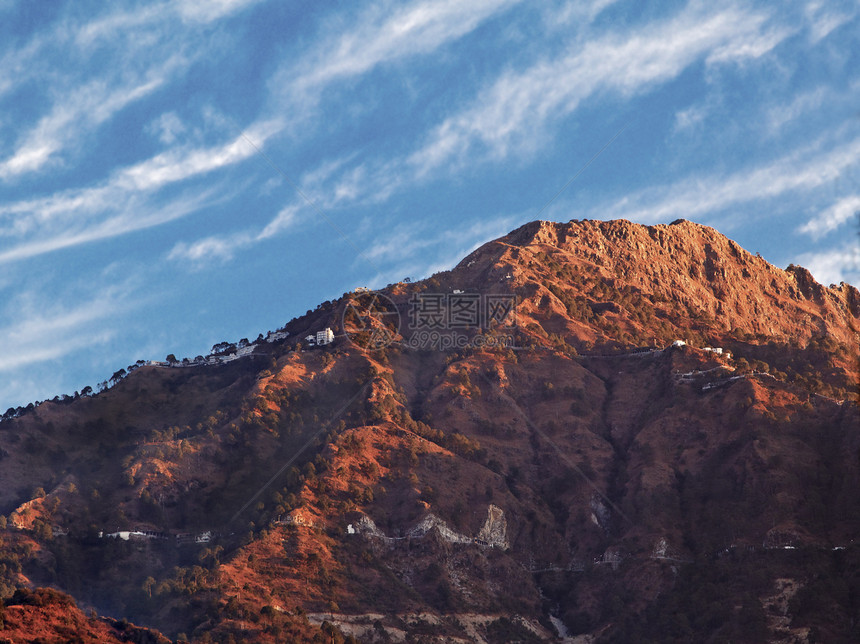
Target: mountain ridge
[
  {"x": 620, "y": 466},
  {"x": 796, "y": 281}
]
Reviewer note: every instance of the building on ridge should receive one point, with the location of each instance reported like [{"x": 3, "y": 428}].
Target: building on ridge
[{"x": 326, "y": 336}]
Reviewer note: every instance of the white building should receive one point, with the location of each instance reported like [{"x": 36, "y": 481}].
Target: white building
[
  {"x": 679, "y": 343},
  {"x": 326, "y": 336}
]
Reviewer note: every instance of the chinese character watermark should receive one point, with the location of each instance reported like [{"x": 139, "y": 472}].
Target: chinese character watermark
[
  {"x": 435, "y": 321},
  {"x": 459, "y": 310}
]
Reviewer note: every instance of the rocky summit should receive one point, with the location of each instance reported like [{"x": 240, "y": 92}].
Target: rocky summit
[{"x": 590, "y": 432}]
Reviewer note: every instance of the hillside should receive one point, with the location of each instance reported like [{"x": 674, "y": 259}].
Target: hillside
[{"x": 600, "y": 428}]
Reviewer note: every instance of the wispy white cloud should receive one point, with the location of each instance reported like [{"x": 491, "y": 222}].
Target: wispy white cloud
[
  {"x": 167, "y": 128},
  {"x": 406, "y": 241},
  {"x": 115, "y": 23},
  {"x": 513, "y": 114},
  {"x": 142, "y": 20},
  {"x": 802, "y": 170},
  {"x": 122, "y": 204},
  {"x": 840, "y": 264},
  {"x": 17, "y": 64},
  {"x": 180, "y": 164},
  {"x": 75, "y": 113},
  {"x": 44, "y": 330},
  {"x": 784, "y": 113},
  {"x": 209, "y": 249},
  {"x": 386, "y": 33},
  {"x": 221, "y": 248},
  {"x": 148, "y": 47},
  {"x": 826, "y": 17},
  {"x": 833, "y": 217},
  {"x": 755, "y": 45},
  {"x": 209, "y": 10},
  {"x": 406, "y": 248},
  {"x": 577, "y": 12},
  {"x": 150, "y": 22},
  {"x": 689, "y": 118},
  {"x": 286, "y": 218},
  {"x": 136, "y": 214},
  {"x": 323, "y": 189}
]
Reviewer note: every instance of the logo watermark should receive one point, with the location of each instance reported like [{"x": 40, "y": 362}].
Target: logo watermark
[
  {"x": 438, "y": 341},
  {"x": 370, "y": 320},
  {"x": 463, "y": 311},
  {"x": 435, "y": 321}
]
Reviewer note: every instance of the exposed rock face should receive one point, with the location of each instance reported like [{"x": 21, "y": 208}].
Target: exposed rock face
[
  {"x": 365, "y": 525},
  {"x": 600, "y": 513},
  {"x": 494, "y": 530},
  {"x": 432, "y": 522}
]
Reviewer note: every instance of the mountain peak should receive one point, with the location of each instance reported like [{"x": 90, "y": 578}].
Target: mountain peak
[{"x": 702, "y": 273}]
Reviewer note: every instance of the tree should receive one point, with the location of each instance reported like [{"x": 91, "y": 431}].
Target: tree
[
  {"x": 170, "y": 358},
  {"x": 221, "y": 347},
  {"x": 148, "y": 585}
]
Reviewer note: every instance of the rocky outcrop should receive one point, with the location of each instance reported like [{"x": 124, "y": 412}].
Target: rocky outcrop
[{"x": 494, "y": 530}]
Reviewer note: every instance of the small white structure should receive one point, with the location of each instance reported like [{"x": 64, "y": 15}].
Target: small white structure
[
  {"x": 274, "y": 336},
  {"x": 326, "y": 336},
  {"x": 679, "y": 343},
  {"x": 717, "y": 350},
  {"x": 457, "y": 291},
  {"x": 311, "y": 340},
  {"x": 204, "y": 537}
]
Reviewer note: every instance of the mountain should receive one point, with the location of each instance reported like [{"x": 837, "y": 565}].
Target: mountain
[{"x": 605, "y": 430}]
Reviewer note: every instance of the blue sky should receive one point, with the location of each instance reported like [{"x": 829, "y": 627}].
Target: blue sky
[{"x": 141, "y": 215}]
